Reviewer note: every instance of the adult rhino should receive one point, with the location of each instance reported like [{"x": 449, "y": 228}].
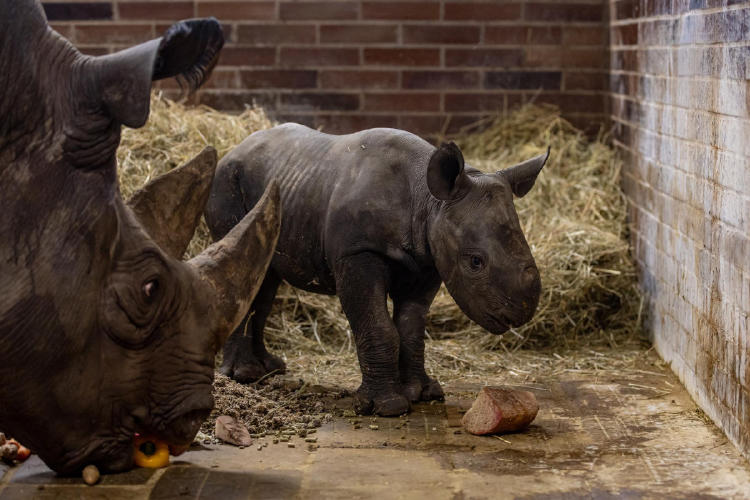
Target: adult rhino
[
  {"x": 374, "y": 214},
  {"x": 104, "y": 331}
]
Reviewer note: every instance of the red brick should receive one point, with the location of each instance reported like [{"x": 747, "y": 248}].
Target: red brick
[
  {"x": 358, "y": 33},
  {"x": 325, "y": 11},
  {"x": 411, "y": 11},
  {"x": 125, "y": 34},
  {"x": 482, "y": 11},
  {"x": 74, "y": 11},
  {"x": 241, "y": 10},
  {"x": 303, "y": 56},
  {"x": 275, "y": 78},
  {"x": 247, "y": 56},
  {"x": 583, "y": 35},
  {"x": 441, "y": 34},
  {"x": 440, "y": 79},
  {"x": 625, "y": 9},
  {"x": 625, "y": 35},
  {"x": 402, "y": 102},
  {"x": 578, "y": 103},
  {"x": 461, "y": 123},
  {"x": 559, "y": 57},
  {"x": 559, "y": 12},
  {"x": 483, "y": 57},
  {"x": 275, "y": 34},
  {"x": 347, "y": 123},
  {"x": 65, "y": 30},
  {"x": 424, "y": 125},
  {"x": 223, "y": 79},
  {"x": 506, "y": 35},
  {"x": 333, "y": 79},
  {"x": 547, "y": 35},
  {"x": 523, "y": 80},
  {"x": 474, "y": 102},
  {"x": 93, "y": 51},
  {"x": 155, "y": 10},
  {"x": 324, "y": 101},
  {"x": 402, "y": 57},
  {"x": 585, "y": 81},
  {"x": 236, "y": 100}
]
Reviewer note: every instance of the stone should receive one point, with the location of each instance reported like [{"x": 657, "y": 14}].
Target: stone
[
  {"x": 499, "y": 410},
  {"x": 231, "y": 431}
]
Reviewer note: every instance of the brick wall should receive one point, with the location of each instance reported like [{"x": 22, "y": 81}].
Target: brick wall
[
  {"x": 425, "y": 65},
  {"x": 680, "y": 101}
]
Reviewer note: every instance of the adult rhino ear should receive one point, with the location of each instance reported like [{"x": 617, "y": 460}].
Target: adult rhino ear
[
  {"x": 523, "y": 175},
  {"x": 170, "y": 206},
  {"x": 188, "y": 50},
  {"x": 445, "y": 172}
]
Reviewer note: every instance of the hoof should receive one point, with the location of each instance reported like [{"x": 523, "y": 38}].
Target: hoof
[
  {"x": 432, "y": 391},
  {"x": 426, "y": 389},
  {"x": 385, "y": 404},
  {"x": 390, "y": 405},
  {"x": 251, "y": 369}
]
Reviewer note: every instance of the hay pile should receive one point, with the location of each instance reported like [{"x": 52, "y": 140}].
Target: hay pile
[{"x": 574, "y": 220}]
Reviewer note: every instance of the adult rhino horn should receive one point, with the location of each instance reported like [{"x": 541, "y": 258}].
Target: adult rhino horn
[
  {"x": 236, "y": 265},
  {"x": 170, "y": 206},
  {"x": 523, "y": 175}
]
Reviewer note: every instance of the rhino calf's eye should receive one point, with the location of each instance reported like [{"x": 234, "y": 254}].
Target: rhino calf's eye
[{"x": 476, "y": 263}]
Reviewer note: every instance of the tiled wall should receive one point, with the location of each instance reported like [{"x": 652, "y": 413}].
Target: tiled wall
[
  {"x": 681, "y": 105},
  {"x": 426, "y": 65}
]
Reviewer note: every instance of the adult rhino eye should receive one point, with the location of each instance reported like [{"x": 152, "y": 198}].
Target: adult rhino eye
[{"x": 150, "y": 289}]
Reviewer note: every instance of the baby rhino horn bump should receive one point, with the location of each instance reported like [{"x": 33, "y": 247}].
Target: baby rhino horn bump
[
  {"x": 236, "y": 265},
  {"x": 170, "y": 206}
]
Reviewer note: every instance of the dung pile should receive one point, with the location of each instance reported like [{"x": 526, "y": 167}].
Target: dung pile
[{"x": 574, "y": 220}]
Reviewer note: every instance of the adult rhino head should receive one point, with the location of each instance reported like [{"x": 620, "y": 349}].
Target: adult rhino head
[
  {"x": 479, "y": 247},
  {"x": 104, "y": 331}
]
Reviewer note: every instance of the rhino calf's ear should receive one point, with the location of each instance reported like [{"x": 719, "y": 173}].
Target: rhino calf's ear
[
  {"x": 523, "y": 175},
  {"x": 188, "y": 50},
  {"x": 445, "y": 171}
]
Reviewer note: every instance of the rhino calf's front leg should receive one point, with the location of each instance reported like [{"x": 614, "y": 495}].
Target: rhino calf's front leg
[
  {"x": 411, "y": 302},
  {"x": 362, "y": 282}
]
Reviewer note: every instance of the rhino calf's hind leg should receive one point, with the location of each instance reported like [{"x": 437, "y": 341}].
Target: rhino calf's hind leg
[
  {"x": 362, "y": 285},
  {"x": 246, "y": 358},
  {"x": 410, "y": 308}
]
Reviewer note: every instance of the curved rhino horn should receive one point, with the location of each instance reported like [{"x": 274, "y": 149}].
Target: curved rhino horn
[
  {"x": 234, "y": 267},
  {"x": 170, "y": 206}
]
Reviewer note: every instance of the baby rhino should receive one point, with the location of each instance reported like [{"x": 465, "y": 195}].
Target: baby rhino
[{"x": 376, "y": 213}]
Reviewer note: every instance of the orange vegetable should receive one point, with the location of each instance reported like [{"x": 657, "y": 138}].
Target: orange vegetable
[
  {"x": 23, "y": 453},
  {"x": 150, "y": 452}
]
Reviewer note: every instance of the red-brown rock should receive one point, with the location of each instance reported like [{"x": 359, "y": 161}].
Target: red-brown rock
[
  {"x": 231, "y": 431},
  {"x": 498, "y": 410}
]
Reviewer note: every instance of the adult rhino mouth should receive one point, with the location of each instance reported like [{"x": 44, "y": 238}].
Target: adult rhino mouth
[{"x": 179, "y": 432}]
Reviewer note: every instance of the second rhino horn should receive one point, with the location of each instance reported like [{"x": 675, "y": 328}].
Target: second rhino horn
[{"x": 170, "y": 206}]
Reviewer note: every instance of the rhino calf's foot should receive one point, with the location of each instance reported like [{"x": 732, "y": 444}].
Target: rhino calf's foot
[
  {"x": 387, "y": 403},
  {"x": 423, "y": 389},
  {"x": 243, "y": 365}
]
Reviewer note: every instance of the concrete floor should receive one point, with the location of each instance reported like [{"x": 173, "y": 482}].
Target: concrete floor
[{"x": 631, "y": 433}]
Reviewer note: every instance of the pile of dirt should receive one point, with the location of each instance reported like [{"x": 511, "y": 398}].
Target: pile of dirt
[{"x": 278, "y": 404}]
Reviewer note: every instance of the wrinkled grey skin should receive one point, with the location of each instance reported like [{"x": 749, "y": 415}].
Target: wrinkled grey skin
[
  {"x": 376, "y": 213},
  {"x": 104, "y": 331}
]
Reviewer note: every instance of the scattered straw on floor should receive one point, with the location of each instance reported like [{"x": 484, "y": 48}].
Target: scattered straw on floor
[{"x": 574, "y": 220}]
